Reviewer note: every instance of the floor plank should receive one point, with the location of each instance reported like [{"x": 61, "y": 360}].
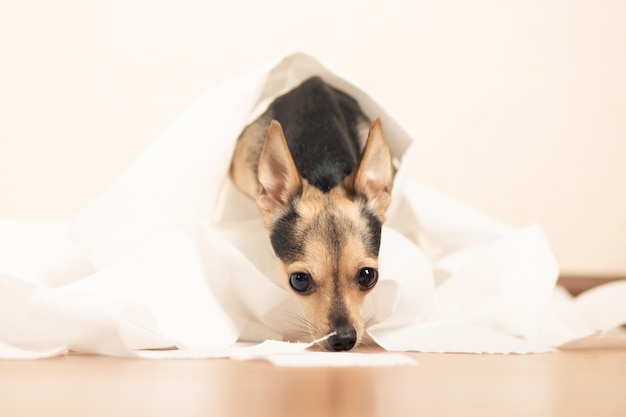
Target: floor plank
[{"x": 558, "y": 384}]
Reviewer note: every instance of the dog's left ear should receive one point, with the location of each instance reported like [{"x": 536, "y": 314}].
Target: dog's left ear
[{"x": 374, "y": 176}]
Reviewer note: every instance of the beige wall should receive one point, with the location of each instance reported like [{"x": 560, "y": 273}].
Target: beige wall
[{"x": 520, "y": 107}]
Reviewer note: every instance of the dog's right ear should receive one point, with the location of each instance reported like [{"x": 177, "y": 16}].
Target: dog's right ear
[
  {"x": 277, "y": 174},
  {"x": 374, "y": 176}
]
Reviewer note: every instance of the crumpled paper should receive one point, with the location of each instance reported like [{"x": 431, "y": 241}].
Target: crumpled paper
[{"x": 171, "y": 255}]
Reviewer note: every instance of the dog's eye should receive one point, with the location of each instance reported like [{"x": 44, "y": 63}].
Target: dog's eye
[
  {"x": 300, "y": 281},
  {"x": 367, "y": 278}
]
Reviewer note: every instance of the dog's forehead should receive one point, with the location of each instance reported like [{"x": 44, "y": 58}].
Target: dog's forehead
[
  {"x": 331, "y": 218},
  {"x": 348, "y": 225},
  {"x": 334, "y": 241},
  {"x": 326, "y": 226}
]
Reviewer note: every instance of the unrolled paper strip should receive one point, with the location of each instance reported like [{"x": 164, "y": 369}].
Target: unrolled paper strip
[{"x": 172, "y": 256}]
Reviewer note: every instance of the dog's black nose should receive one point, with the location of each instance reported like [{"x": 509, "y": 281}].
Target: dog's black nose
[{"x": 344, "y": 339}]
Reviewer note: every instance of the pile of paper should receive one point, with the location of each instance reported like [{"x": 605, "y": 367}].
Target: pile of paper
[{"x": 171, "y": 255}]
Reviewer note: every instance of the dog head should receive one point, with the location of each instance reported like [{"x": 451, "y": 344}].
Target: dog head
[{"x": 327, "y": 243}]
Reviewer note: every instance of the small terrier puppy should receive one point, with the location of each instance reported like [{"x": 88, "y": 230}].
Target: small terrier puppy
[{"x": 321, "y": 175}]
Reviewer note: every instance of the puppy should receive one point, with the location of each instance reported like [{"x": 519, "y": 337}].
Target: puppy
[{"x": 321, "y": 175}]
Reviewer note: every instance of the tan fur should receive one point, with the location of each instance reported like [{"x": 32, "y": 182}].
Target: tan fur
[
  {"x": 278, "y": 187},
  {"x": 319, "y": 260}
]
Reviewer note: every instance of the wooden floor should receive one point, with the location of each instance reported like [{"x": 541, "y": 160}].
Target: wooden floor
[{"x": 591, "y": 383}]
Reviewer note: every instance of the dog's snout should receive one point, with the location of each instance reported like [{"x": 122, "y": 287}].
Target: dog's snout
[{"x": 344, "y": 339}]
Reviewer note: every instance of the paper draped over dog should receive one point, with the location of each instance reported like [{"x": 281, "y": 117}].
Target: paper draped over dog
[{"x": 172, "y": 255}]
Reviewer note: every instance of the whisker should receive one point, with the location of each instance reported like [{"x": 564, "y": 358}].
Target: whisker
[
  {"x": 299, "y": 328},
  {"x": 299, "y": 320},
  {"x": 370, "y": 320},
  {"x": 366, "y": 340}
]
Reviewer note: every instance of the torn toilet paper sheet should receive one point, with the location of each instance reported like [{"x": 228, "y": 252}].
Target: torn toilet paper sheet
[
  {"x": 287, "y": 354},
  {"x": 171, "y": 255},
  {"x": 31, "y": 352}
]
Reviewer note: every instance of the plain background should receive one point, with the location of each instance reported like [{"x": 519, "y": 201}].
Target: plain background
[{"x": 519, "y": 106}]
